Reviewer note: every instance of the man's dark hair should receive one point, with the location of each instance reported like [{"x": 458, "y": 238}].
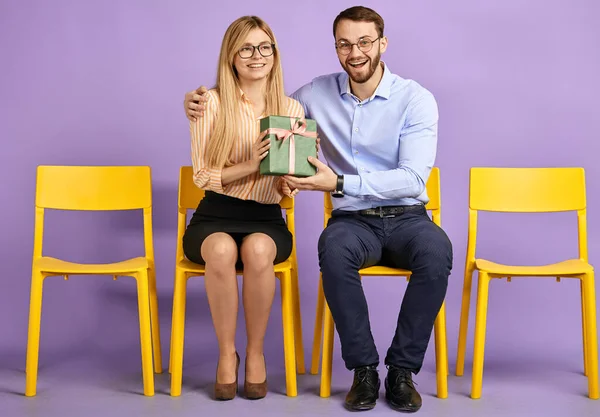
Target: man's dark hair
[{"x": 360, "y": 14}]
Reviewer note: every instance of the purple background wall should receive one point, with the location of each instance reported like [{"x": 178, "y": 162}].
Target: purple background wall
[{"x": 103, "y": 83}]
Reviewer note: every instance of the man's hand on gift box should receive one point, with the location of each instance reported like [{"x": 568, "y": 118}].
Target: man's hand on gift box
[{"x": 324, "y": 180}]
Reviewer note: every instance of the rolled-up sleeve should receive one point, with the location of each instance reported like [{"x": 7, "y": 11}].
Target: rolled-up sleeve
[{"x": 200, "y": 132}]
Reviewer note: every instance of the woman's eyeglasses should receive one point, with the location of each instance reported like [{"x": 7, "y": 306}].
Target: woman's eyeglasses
[{"x": 264, "y": 49}]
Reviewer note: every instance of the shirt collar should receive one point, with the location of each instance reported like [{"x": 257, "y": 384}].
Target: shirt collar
[
  {"x": 243, "y": 96},
  {"x": 246, "y": 100},
  {"x": 383, "y": 89}
]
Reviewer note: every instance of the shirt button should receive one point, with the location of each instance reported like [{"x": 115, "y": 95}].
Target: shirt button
[
  {"x": 360, "y": 105},
  {"x": 356, "y": 152},
  {"x": 356, "y": 129}
]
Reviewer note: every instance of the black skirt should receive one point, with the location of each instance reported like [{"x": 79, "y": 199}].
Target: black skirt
[{"x": 238, "y": 218}]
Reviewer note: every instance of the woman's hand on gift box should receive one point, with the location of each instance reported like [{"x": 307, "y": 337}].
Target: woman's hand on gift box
[
  {"x": 260, "y": 149},
  {"x": 324, "y": 180},
  {"x": 287, "y": 189}
]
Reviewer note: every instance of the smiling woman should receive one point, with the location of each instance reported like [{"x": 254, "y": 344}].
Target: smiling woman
[{"x": 239, "y": 223}]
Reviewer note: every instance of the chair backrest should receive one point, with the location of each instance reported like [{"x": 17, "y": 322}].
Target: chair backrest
[
  {"x": 433, "y": 192},
  {"x": 93, "y": 188},
  {"x": 190, "y": 195},
  {"x": 527, "y": 190}
]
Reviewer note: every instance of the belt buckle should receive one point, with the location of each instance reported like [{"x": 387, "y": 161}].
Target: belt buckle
[{"x": 382, "y": 216}]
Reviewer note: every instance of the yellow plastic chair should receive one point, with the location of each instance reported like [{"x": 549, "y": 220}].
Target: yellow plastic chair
[
  {"x": 527, "y": 190},
  {"x": 96, "y": 188},
  {"x": 287, "y": 272},
  {"x": 324, "y": 320}
]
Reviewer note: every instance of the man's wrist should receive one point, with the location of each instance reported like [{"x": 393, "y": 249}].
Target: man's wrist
[
  {"x": 335, "y": 184},
  {"x": 338, "y": 190}
]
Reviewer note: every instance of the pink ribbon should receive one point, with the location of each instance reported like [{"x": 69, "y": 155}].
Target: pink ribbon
[{"x": 298, "y": 127}]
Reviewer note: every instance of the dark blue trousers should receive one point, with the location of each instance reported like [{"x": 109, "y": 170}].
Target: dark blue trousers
[{"x": 411, "y": 241}]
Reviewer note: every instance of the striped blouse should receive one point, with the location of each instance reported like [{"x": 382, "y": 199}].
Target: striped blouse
[{"x": 266, "y": 189}]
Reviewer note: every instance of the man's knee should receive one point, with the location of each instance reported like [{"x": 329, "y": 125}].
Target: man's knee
[
  {"x": 336, "y": 239},
  {"x": 338, "y": 244},
  {"x": 434, "y": 252}
]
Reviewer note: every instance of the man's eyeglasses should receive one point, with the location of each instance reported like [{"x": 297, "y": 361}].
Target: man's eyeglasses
[
  {"x": 363, "y": 44},
  {"x": 264, "y": 49}
]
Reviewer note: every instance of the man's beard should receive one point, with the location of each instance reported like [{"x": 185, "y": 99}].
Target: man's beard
[{"x": 359, "y": 79}]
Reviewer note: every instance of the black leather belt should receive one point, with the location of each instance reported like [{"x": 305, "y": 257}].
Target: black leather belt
[{"x": 390, "y": 211}]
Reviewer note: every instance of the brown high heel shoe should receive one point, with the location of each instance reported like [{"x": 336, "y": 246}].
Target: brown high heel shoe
[
  {"x": 254, "y": 391},
  {"x": 224, "y": 392}
]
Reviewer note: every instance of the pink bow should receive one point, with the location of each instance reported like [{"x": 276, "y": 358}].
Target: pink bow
[{"x": 298, "y": 127}]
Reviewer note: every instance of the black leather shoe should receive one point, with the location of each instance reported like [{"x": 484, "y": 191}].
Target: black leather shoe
[
  {"x": 365, "y": 389},
  {"x": 400, "y": 391}
]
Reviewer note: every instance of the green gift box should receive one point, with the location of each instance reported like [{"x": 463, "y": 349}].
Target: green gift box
[{"x": 293, "y": 140}]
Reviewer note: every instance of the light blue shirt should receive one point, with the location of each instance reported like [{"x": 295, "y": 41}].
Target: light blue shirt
[{"x": 384, "y": 146}]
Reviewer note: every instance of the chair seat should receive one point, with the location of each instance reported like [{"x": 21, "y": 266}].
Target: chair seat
[
  {"x": 375, "y": 271},
  {"x": 564, "y": 268},
  {"x": 47, "y": 264},
  {"x": 192, "y": 267}
]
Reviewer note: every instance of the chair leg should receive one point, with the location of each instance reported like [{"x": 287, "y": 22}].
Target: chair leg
[
  {"x": 145, "y": 332},
  {"x": 172, "y": 326},
  {"x": 583, "y": 328},
  {"x": 287, "y": 312},
  {"x": 155, "y": 322},
  {"x": 441, "y": 353},
  {"x": 327, "y": 361},
  {"x": 591, "y": 335},
  {"x": 480, "y": 325},
  {"x": 316, "y": 350},
  {"x": 301, "y": 369},
  {"x": 177, "y": 332},
  {"x": 33, "y": 337},
  {"x": 447, "y": 360},
  {"x": 464, "y": 322}
]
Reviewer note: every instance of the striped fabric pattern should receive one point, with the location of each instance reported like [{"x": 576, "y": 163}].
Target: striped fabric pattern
[{"x": 261, "y": 188}]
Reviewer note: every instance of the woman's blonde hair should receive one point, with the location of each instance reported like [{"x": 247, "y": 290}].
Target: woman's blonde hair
[{"x": 226, "y": 129}]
